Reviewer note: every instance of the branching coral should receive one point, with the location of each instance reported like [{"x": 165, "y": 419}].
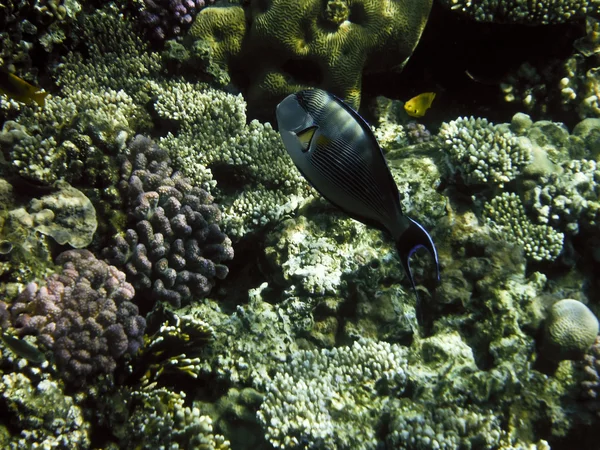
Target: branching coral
[
  {"x": 507, "y": 214},
  {"x": 523, "y": 11},
  {"x": 256, "y": 182},
  {"x": 482, "y": 152},
  {"x": 328, "y": 398}
]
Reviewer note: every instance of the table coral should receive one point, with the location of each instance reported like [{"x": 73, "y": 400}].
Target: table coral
[
  {"x": 312, "y": 43},
  {"x": 174, "y": 249},
  {"x": 523, "y": 11},
  {"x": 84, "y": 314}
]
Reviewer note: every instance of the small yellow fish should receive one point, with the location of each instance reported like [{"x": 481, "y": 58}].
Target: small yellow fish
[
  {"x": 418, "y": 106},
  {"x": 20, "y": 90}
]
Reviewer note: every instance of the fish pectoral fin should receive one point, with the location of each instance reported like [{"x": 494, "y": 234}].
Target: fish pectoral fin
[{"x": 306, "y": 136}]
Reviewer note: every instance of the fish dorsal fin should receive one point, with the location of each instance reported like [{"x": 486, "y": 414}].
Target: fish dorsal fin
[{"x": 306, "y": 136}]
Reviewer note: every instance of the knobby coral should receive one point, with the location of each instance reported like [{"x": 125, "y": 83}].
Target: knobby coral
[
  {"x": 84, "y": 314},
  {"x": 174, "y": 248}
]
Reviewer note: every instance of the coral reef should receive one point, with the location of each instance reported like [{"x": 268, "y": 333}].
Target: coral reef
[
  {"x": 311, "y": 43},
  {"x": 522, "y": 11},
  {"x": 484, "y": 153},
  {"x": 165, "y": 19},
  {"x": 570, "y": 330},
  {"x": 174, "y": 248},
  {"x": 591, "y": 383},
  {"x": 160, "y": 419},
  {"x": 329, "y": 398},
  {"x": 255, "y": 182},
  {"x": 83, "y": 314},
  {"x": 507, "y": 216},
  {"x": 45, "y": 416}
]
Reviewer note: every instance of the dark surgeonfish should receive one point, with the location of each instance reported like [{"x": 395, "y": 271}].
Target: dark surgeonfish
[{"x": 335, "y": 150}]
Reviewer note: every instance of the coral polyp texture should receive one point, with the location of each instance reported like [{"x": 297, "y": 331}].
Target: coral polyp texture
[
  {"x": 174, "y": 249},
  {"x": 329, "y": 398},
  {"x": 166, "y": 19},
  {"x": 482, "y": 152},
  {"x": 507, "y": 216},
  {"x": 537, "y": 12},
  {"x": 84, "y": 314},
  {"x": 311, "y": 43},
  {"x": 570, "y": 330}
]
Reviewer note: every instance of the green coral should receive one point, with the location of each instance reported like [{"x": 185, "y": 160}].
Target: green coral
[
  {"x": 288, "y": 46},
  {"x": 507, "y": 215},
  {"x": 523, "y": 11},
  {"x": 570, "y": 330}
]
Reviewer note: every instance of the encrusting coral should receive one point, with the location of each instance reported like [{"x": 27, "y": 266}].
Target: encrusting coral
[
  {"x": 311, "y": 43},
  {"x": 84, "y": 314},
  {"x": 174, "y": 249}
]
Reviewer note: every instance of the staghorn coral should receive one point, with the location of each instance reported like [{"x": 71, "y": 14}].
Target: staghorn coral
[
  {"x": 570, "y": 330},
  {"x": 83, "y": 314},
  {"x": 484, "y": 153},
  {"x": 523, "y": 11},
  {"x": 311, "y": 43},
  {"x": 507, "y": 215},
  {"x": 174, "y": 249},
  {"x": 329, "y": 398}
]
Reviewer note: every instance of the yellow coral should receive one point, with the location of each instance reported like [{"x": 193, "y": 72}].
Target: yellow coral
[{"x": 291, "y": 45}]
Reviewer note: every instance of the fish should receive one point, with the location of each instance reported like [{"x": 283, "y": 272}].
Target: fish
[
  {"x": 22, "y": 348},
  {"x": 20, "y": 90},
  {"x": 418, "y": 106},
  {"x": 334, "y": 148}
]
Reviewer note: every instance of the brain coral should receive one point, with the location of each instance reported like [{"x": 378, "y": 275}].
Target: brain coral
[
  {"x": 289, "y": 46},
  {"x": 84, "y": 314},
  {"x": 570, "y": 330},
  {"x": 536, "y": 12}
]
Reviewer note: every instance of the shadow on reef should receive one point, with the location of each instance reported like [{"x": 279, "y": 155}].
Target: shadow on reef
[{"x": 464, "y": 62}]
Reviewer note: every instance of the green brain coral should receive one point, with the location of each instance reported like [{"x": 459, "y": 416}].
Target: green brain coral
[{"x": 284, "y": 46}]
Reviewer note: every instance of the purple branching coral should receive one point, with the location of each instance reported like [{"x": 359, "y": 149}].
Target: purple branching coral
[
  {"x": 84, "y": 314},
  {"x": 591, "y": 382},
  {"x": 167, "y": 19},
  {"x": 174, "y": 249}
]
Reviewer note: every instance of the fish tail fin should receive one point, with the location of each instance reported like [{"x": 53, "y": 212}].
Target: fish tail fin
[
  {"x": 410, "y": 241},
  {"x": 40, "y": 97}
]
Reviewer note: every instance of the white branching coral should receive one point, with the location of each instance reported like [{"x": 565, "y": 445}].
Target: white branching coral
[
  {"x": 329, "y": 398},
  {"x": 537, "y": 12},
  {"x": 507, "y": 215},
  {"x": 484, "y": 153}
]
